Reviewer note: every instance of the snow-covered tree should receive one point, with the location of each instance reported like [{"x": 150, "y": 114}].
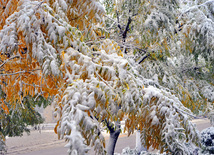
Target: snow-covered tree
[
  {"x": 171, "y": 43},
  {"x": 132, "y": 69}
]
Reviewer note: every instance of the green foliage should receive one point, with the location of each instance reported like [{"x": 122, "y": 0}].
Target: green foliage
[
  {"x": 144, "y": 72},
  {"x": 20, "y": 117}
]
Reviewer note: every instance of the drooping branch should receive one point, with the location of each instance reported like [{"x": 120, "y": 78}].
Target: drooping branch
[{"x": 195, "y": 7}]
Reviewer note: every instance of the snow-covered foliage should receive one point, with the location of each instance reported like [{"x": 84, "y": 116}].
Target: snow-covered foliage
[
  {"x": 161, "y": 43},
  {"x": 164, "y": 38},
  {"x": 128, "y": 151},
  {"x": 207, "y": 140},
  {"x": 95, "y": 81}
]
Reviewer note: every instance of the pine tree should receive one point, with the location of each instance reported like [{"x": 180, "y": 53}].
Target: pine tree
[{"x": 63, "y": 49}]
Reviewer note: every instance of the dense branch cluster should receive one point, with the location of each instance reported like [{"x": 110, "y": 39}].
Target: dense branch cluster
[{"x": 135, "y": 69}]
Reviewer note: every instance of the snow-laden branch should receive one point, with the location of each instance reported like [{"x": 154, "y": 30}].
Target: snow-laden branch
[{"x": 195, "y": 7}]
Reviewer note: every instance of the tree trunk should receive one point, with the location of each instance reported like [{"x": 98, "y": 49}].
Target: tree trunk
[{"x": 112, "y": 141}]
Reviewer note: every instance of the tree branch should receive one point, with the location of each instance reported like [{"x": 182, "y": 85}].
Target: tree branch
[
  {"x": 20, "y": 72},
  {"x": 127, "y": 29},
  {"x": 142, "y": 59},
  {"x": 16, "y": 56},
  {"x": 118, "y": 21},
  {"x": 132, "y": 47},
  {"x": 192, "y": 68},
  {"x": 109, "y": 125}
]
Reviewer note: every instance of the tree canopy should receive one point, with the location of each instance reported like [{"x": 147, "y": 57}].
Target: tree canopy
[{"x": 144, "y": 62}]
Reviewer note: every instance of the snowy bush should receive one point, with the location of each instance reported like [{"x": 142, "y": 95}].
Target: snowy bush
[
  {"x": 207, "y": 140},
  {"x": 128, "y": 151}
]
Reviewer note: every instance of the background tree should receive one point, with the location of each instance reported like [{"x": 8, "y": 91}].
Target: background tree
[
  {"x": 61, "y": 49},
  {"x": 164, "y": 39}
]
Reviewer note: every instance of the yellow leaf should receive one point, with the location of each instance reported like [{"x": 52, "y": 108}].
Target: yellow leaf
[
  {"x": 126, "y": 84},
  {"x": 81, "y": 38},
  {"x": 63, "y": 54},
  {"x": 55, "y": 129}
]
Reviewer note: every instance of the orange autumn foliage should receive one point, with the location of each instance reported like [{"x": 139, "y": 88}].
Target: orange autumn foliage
[{"x": 20, "y": 73}]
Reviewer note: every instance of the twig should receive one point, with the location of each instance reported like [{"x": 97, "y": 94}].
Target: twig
[
  {"x": 192, "y": 68},
  {"x": 98, "y": 124},
  {"x": 16, "y": 56},
  {"x": 38, "y": 6},
  {"x": 34, "y": 85},
  {"x": 132, "y": 47},
  {"x": 118, "y": 21},
  {"x": 106, "y": 82},
  {"x": 142, "y": 59},
  {"x": 181, "y": 111},
  {"x": 20, "y": 72}
]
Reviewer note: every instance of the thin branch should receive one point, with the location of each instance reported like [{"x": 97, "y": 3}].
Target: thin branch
[
  {"x": 95, "y": 42},
  {"x": 142, "y": 59},
  {"x": 106, "y": 82},
  {"x": 95, "y": 119},
  {"x": 77, "y": 17},
  {"x": 20, "y": 72},
  {"x": 38, "y": 96},
  {"x": 16, "y": 56},
  {"x": 184, "y": 112},
  {"x": 38, "y": 6},
  {"x": 192, "y": 68},
  {"x": 127, "y": 29},
  {"x": 132, "y": 47},
  {"x": 110, "y": 18},
  {"x": 118, "y": 21},
  {"x": 34, "y": 85}
]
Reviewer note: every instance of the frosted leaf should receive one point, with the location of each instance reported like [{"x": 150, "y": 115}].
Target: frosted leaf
[
  {"x": 155, "y": 120},
  {"x": 61, "y": 31}
]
